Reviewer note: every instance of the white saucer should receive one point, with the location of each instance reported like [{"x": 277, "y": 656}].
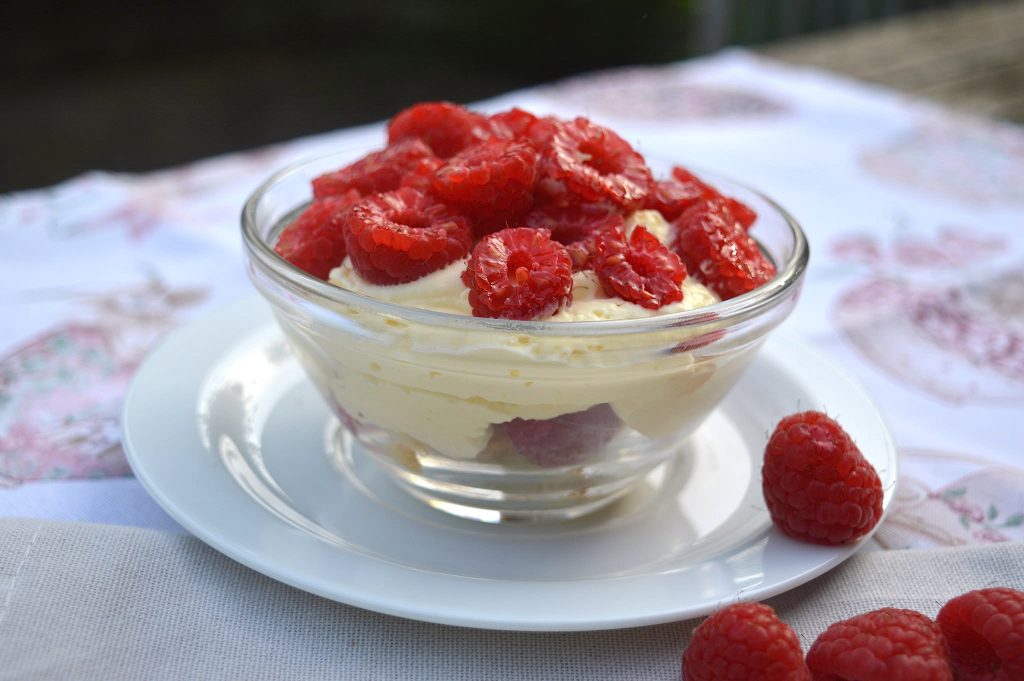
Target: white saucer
[{"x": 224, "y": 431}]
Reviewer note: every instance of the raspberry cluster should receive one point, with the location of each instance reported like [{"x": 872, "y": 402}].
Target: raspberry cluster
[
  {"x": 819, "y": 488},
  {"x": 977, "y": 636},
  {"x": 454, "y": 185}
]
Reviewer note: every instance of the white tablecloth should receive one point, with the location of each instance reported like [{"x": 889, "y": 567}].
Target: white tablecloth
[{"x": 915, "y": 216}]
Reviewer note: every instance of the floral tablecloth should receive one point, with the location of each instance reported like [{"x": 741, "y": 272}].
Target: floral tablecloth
[{"x": 915, "y": 216}]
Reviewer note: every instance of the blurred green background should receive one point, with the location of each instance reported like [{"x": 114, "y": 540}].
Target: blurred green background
[{"x": 134, "y": 86}]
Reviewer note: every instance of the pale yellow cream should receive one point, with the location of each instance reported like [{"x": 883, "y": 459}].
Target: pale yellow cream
[{"x": 447, "y": 387}]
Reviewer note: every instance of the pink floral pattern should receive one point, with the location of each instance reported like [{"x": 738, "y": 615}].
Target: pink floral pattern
[
  {"x": 62, "y": 390},
  {"x": 961, "y": 341},
  {"x": 980, "y": 507},
  {"x": 138, "y": 206},
  {"x": 965, "y": 159},
  {"x": 952, "y": 247}
]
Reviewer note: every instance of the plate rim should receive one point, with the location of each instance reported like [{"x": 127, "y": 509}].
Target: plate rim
[{"x": 478, "y": 601}]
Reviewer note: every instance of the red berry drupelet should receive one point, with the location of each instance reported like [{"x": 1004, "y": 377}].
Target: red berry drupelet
[
  {"x": 380, "y": 171},
  {"x": 516, "y": 124},
  {"x": 450, "y": 176},
  {"x": 744, "y": 642},
  {"x": 596, "y": 164},
  {"x": 315, "y": 242},
  {"x": 716, "y": 250},
  {"x": 639, "y": 269},
  {"x": 400, "y": 236},
  {"x": 817, "y": 485},
  {"x": 576, "y": 225},
  {"x": 572, "y": 221},
  {"x": 985, "y": 633},
  {"x": 512, "y": 124},
  {"x": 445, "y": 127},
  {"x": 882, "y": 645},
  {"x": 671, "y": 197},
  {"x": 421, "y": 176},
  {"x": 491, "y": 179},
  {"x": 518, "y": 273},
  {"x": 687, "y": 183},
  {"x": 582, "y": 249}
]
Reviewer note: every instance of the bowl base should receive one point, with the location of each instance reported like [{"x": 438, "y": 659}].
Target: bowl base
[
  {"x": 489, "y": 515},
  {"x": 541, "y": 496}
]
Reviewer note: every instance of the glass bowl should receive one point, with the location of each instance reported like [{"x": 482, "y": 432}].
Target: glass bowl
[{"x": 500, "y": 420}]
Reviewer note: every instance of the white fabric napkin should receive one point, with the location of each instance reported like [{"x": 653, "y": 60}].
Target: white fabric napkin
[{"x": 80, "y": 601}]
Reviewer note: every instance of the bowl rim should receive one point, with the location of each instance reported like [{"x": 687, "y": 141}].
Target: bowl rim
[{"x": 723, "y": 313}]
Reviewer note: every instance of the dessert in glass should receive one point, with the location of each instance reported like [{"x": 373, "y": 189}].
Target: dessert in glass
[{"x": 518, "y": 317}]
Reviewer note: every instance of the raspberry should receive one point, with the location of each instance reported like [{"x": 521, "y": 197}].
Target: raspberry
[
  {"x": 523, "y": 125},
  {"x": 380, "y": 171},
  {"x": 671, "y": 197},
  {"x": 583, "y": 248},
  {"x": 564, "y": 440},
  {"x": 745, "y": 215},
  {"x": 570, "y": 222},
  {"x": 315, "y": 242},
  {"x": 817, "y": 485},
  {"x": 717, "y": 250},
  {"x": 512, "y": 124},
  {"x": 400, "y": 236},
  {"x": 583, "y": 244},
  {"x": 518, "y": 273},
  {"x": 985, "y": 633},
  {"x": 641, "y": 269},
  {"x": 446, "y": 128},
  {"x": 597, "y": 164},
  {"x": 747, "y": 642},
  {"x": 491, "y": 178},
  {"x": 688, "y": 182},
  {"x": 421, "y": 176},
  {"x": 881, "y": 645}
]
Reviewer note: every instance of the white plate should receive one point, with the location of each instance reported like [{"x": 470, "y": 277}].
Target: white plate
[{"x": 225, "y": 432}]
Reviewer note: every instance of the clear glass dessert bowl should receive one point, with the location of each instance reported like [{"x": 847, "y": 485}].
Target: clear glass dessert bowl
[{"x": 502, "y": 420}]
